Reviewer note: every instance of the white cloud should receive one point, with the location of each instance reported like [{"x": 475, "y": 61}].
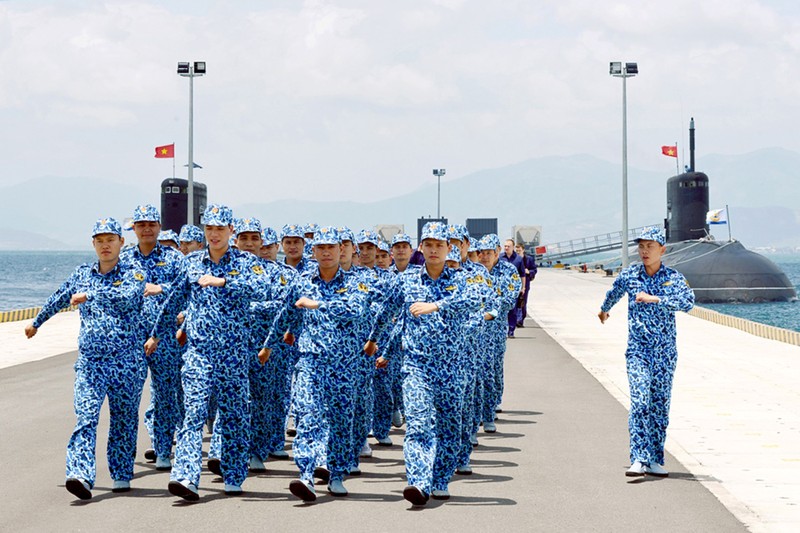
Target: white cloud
[{"x": 328, "y": 93}]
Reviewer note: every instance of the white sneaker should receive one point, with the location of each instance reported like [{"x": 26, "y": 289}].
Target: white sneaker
[
  {"x": 397, "y": 419},
  {"x": 336, "y": 488},
  {"x": 279, "y": 454},
  {"x": 489, "y": 427},
  {"x": 464, "y": 470},
  {"x": 256, "y": 464},
  {"x": 163, "y": 464},
  {"x": 355, "y": 471},
  {"x": 473, "y": 439},
  {"x": 232, "y": 490},
  {"x": 121, "y": 486},
  {"x": 366, "y": 451},
  {"x": 655, "y": 469},
  {"x": 637, "y": 469},
  {"x": 440, "y": 494},
  {"x": 385, "y": 441}
]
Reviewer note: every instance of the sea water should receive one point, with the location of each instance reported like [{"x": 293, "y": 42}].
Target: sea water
[
  {"x": 28, "y": 278},
  {"x": 781, "y": 314}
]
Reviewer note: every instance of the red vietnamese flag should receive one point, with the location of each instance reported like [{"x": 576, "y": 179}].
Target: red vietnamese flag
[
  {"x": 165, "y": 151},
  {"x": 671, "y": 151}
]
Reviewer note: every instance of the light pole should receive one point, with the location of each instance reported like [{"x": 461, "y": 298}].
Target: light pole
[
  {"x": 624, "y": 71},
  {"x": 439, "y": 172},
  {"x": 189, "y": 70}
]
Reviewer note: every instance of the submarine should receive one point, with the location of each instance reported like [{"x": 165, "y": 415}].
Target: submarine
[{"x": 718, "y": 271}]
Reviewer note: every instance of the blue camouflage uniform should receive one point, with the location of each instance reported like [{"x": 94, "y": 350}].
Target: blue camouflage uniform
[
  {"x": 161, "y": 267},
  {"x": 396, "y": 349},
  {"x": 505, "y": 281},
  {"x": 375, "y": 279},
  {"x": 110, "y": 361},
  {"x": 432, "y": 387},
  {"x": 474, "y": 346},
  {"x": 651, "y": 355},
  {"x": 323, "y": 397},
  {"x": 266, "y": 382},
  {"x": 218, "y": 354}
]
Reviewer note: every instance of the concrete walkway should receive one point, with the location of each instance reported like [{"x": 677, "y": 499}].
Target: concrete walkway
[
  {"x": 735, "y": 416},
  {"x": 556, "y": 463}
]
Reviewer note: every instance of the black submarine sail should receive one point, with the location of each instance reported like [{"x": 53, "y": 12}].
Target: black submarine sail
[{"x": 718, "y": 271}]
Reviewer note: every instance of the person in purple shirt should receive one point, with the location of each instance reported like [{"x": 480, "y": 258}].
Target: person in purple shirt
[
  {"x": 510, "y": 256},
  {"x": 529, "y": 263}
]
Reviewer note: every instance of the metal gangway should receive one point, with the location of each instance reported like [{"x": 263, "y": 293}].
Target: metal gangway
[{"x": 603, "y": 242}]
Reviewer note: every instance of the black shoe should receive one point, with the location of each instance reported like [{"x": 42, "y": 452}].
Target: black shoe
[
  {"x": 79, "y": 488},
  {"x": 291, "y": 432},
  {"x": 322, "y": 473},
  {"x": 520, "y": 325},
  {"x": 176, "y": 488},
  {"x": 150, "y": 455},
  {"x": 214, "y": 466},
  {"x": 302, "y": 490},
  {"x": 415, "y": 495}
]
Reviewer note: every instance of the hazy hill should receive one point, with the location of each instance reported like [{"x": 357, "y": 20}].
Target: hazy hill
[
  {"x": 62, "y": 210},
  {"x": 571, "y": 197}
]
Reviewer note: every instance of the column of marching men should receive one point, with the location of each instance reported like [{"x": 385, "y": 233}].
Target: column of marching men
[{"x": 341, "y": 340}]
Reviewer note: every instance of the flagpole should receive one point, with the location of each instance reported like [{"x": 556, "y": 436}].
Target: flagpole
[
  {"x": 173, "y": 159},
  {"x": 728, "y": 216},
  {"x": 677, "y": 166}
]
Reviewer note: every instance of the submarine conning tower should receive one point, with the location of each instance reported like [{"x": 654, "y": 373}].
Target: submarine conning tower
[{"x": 687, "y": 205}]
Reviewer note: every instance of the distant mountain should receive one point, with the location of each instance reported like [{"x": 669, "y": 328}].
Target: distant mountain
[
  {"x": 570, "y": 197},
  {"x": 63, "y": 210},
  {"x": 15, "y": 239}
]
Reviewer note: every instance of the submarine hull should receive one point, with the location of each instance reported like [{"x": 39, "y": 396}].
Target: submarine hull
[{"x": 727, "y": 272}]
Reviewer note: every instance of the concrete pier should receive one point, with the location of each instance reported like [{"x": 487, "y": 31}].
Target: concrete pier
[
  {"x": 735, "y": 415},
  {"x": 556, "y": 463}
]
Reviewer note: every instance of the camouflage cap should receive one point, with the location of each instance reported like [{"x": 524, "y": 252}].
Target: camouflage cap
[
  {"x": 292, "y": 230},
  {"x": 326, "y": 235},
  {"x": 245, "y": 225},
  {"x": 487, "y": 242},
  {"x": 652, "y": 233},
  {"x": 311, "y": 227},
  {"x": 268, "y": 237},
  {"x": 366, "y": 235},
  {"x": 190, "y": 233},
  {"x": 146, "y": 213},
  {"x": 384, "y": 246},
  {"x": 454, "y": 231},
  {"x": 434, "y": 230},
  {"x": 106, "y": 226},
  {"x": 168, "y": 235},
  {"x": 218, "y": 215},
  {"x": 401, "y": 237},
  {"x": 346, "y": 234}
]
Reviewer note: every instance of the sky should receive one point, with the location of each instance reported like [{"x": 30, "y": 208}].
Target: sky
[{"x": 361, "y": 99}]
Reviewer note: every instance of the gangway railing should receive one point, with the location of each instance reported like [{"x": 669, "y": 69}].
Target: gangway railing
[{"x": 603, "y": 242}]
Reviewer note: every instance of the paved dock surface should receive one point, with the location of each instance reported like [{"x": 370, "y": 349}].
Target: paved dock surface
[
  {"x": 735, "y": 415},
  {"x": 556, "y": 463}
]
